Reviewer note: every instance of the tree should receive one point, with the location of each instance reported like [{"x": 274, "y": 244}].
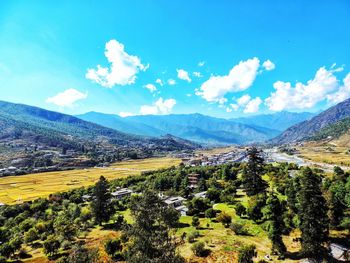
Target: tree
[
  {"x": 275, "y": 212},
  {"x": 195, "y": 221},
  {"x": 152, "y": 239},
  {"x": 112, "y": 246},
  {"x": 100, "y": 206},
  {"x": 240, "y": 209},
  {"x": 80, "y": 254},
  {"x": 31, "y": 235},
  {"x": 213, "y": 194},
  {"x": 210, "y": 213},
  {"x": 336, "y": 201},
  {"x": 51, "y": 245},
  {"x": 198, "y": 249},
  {"x": 246, "y": 254},
  {"x": 312, "y": 214},
  {"x": 252, "y": 181},
  {"x": 224, "y": 218}
]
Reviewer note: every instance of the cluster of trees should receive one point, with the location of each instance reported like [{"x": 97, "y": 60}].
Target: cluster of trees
[
  {"x": 313, "y": 204},
  {"x": 279, "y": 202}
]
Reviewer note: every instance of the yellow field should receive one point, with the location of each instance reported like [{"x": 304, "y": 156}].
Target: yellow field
[
  {"x": 214, "y": 151},
  {"x": 326, "y": 154},
  {"x": 15, "y": 189}
]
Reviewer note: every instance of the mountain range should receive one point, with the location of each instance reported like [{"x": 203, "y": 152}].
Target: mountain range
[
  {"x": 33, "y": 125},
  {"x": 201, "y": 128},
  {"x": 331, "y": 122}
]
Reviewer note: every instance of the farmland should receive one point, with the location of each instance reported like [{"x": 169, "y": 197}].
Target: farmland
[
  {"x": 14, "y": 189},
  {"x": 330, "y": 154}
]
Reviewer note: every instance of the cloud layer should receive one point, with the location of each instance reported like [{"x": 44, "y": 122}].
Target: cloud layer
[
  {"x": 324, "y": 86},
  {"x": 67, "y": 98},
  {"x": 123, "y": 67}
]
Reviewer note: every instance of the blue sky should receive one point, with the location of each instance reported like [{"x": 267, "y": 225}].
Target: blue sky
[{"x": 258, "y": 56}]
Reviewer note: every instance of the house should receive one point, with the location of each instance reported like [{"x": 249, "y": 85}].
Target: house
[
  {"x": 176, "y": 202},
  {"x": 193, "y": 180},
  {"x": 339, "y": 252},
  {"x": 122, "y": 192},
  {"x": 201, "y": 194},
  {"x": 86, "y": 197}
]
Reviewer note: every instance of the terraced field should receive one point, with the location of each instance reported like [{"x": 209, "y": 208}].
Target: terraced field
[{"x": 15, "y": 189}]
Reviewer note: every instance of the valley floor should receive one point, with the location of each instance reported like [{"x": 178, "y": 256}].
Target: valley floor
[{"x": 16, "y": 189}]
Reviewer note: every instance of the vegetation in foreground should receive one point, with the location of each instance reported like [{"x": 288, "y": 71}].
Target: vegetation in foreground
[{"x": 250, "y": 210}]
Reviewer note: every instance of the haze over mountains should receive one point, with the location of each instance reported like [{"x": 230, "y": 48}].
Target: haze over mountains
[
  {"x": 43, "y": 126},
  {"x": 201, "y": 128}
]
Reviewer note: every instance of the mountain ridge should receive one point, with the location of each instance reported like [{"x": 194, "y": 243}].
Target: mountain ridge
[
  {"x": 196, "y": 127},
  {"x": 308, "y": 128}
]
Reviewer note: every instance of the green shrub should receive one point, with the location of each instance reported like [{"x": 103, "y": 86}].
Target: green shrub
[
  {"x": 210, "y": 213},
  {"x": 239, "y": 229},
  {"x": 192, "y": 236},
  {"x": 246, "y": 254},
  {"x": 198, "y": 249},
  {"x": 240, "y": 209},
  {"x": 224, "y": 218}
]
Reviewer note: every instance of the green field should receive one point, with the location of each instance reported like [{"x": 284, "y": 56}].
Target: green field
[{"x": 16, "y": 189}]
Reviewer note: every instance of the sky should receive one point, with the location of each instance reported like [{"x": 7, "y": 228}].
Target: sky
[{"x": 220, "y": 58}]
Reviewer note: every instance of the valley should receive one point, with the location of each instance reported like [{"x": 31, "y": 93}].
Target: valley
[{"x": 18, "y": 189}]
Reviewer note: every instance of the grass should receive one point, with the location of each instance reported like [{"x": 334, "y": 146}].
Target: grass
[
  {"x": 14, "y": 189},
  {"x": 224, "y": 243}
]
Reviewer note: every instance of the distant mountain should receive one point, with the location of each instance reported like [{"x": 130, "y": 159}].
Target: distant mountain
[
  {"x": 34, "y": 125},
  {"x": 306, "y": 129},
  {"x": 279, "y": 121},
  {"x": 196, "y": 127}
]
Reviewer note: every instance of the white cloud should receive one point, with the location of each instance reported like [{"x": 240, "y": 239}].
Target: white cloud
[
  {"x": 235, "y": 107},
  {"x": 305, "y": 96},
  {"x": 253, "y": 105},
  {"x": 67, "y": 98},
  {"x": 150, "y": 87},
  {"x": 240, "y": 78},
  {"x": 171, "y": 82},
  {"x": 242, "y": 101},
  {"x": 124, "y": 114},
  {"x": 123, "y": 67},
  {"x": 159, "y": 107},
  {"x": 228, "y": 109},
  {"x": 268, "y": 65},
  {"x": 160, "y": 82},
  {"x": 183, "y": 74},
  {"x": 342, "y": 93},
  {"x": 197, "y": 74},
  {"x": 201, "y": 63}
]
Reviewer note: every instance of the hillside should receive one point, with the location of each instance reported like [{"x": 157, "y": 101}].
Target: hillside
[
  {"x": 32, "y": 138},
  {"x": 279, "y": 121},
  {"x": 196, "y": 127},
  {"x": 332, "y": 131},
  {"x": 308, "y": 128}
]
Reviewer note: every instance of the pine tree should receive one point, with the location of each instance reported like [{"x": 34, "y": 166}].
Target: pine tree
[
  {"x": 150, "y": 235},
  {"x": 275, "y": 216},
  {"x": 101, "y": 207},
  {"x": 312, "y": 214},
  {"x": 252, "y": 181}
]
